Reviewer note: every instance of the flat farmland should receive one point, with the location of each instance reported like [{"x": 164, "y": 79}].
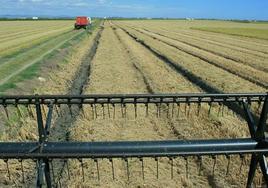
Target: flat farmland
[
  {"x": 146, "y": 57},
  {"x": 17, "y": 35},
  {"x": 244, "y": 57},
  {"x": 23, "y": 44}
]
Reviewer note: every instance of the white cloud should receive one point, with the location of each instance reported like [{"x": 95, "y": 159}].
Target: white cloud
[
  {"x": 31, "y": 1},
  {"x": 79, "y": 7},
  {"x": 102, "y": 1}
]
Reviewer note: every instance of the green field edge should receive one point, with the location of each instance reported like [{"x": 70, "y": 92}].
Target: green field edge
[
  {"x": 32, "y": 71},
  {"x": 35, "y": 45}
]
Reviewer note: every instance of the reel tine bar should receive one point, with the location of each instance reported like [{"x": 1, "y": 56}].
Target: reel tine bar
[{"x": 44, "y": 151}]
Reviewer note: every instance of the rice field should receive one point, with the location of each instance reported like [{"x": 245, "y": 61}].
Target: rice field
[
  {"x": 18, "y": 35},
  {"x": 139, "y": 56},
  {"x": 26, "y": 43}
]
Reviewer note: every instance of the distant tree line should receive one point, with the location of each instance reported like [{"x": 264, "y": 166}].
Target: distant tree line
[
  {"x": 148, "y": 18},
  {"x": 31, "y": 19},
  {"x": 124, "y": 18}
]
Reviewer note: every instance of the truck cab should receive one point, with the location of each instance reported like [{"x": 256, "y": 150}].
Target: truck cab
[{"x": 82, "y": 22}]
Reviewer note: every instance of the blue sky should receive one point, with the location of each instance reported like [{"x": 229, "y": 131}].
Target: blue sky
[{"x": 224, "y": 9}]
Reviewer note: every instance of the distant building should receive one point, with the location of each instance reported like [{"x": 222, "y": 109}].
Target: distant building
[
  {"x": 35, "y": 18},
  {"x": 189, "y": 19}
]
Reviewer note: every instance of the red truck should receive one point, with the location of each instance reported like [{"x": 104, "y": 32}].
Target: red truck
[{"x": 82, "y": 22}]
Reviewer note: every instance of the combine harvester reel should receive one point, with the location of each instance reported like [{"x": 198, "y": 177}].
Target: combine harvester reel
[{"x": 44, "y": 151}]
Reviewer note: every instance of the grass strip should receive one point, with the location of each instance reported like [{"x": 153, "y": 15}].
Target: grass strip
[{"x": 32, "y": 71}]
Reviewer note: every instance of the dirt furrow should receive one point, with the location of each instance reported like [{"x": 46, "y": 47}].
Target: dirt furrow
[
  {"x": 248, "y": 73},
  {"x": 68, "y": 115},
  {"x": 76, "y": 88}
]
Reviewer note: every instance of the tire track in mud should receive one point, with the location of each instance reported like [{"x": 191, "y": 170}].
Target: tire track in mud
[
  {"x": 194, "y": 79},
  {"x": 173, "y": 129},
  {"x": 208, "y": 50},
  {"x": 81, "y": 79},
  {"x": 229, "y": 70},
  {"x": 69, "y": 115}
]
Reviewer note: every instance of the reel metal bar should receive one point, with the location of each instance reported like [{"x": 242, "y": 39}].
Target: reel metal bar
[
  {"x": 49, "y": 119},
  {"x": 43, "y": 167},
  {"x": 44, "y": 151},
  {"x": 133, "y": 149},
  {"x": 132, "y": 99},
  {"x": 257, "y": 133},
  {"x": 250, "y": 120}
]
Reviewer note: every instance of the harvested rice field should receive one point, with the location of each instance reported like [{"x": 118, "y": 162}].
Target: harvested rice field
[{"x": 141, "y": 57}]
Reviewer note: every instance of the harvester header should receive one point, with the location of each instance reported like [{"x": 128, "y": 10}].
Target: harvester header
[{"x": 44, "y": 152}]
